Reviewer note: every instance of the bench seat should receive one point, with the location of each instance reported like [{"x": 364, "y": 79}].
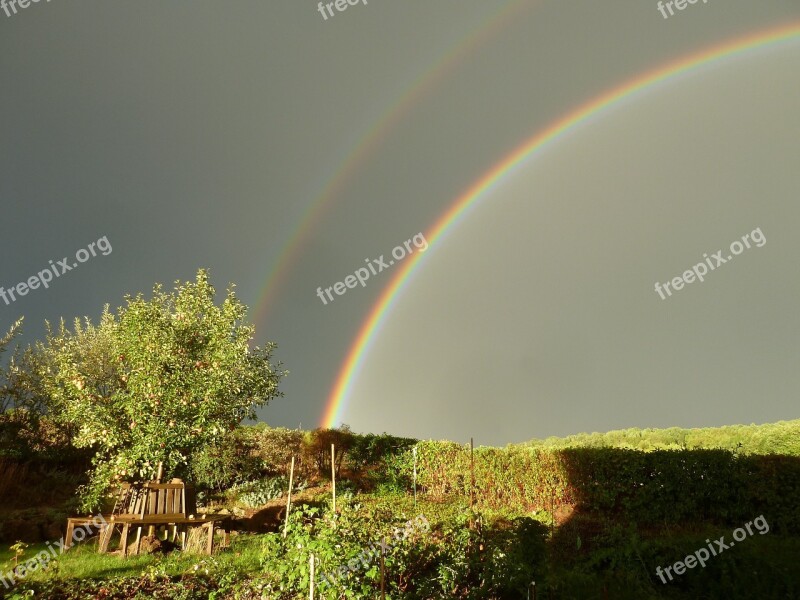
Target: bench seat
[{"x": 209, "y": 522}]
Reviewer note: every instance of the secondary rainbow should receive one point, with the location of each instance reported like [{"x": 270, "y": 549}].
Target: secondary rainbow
[
  {"x": 372, "y": 324},
  {"x": 291, "y": 251}
]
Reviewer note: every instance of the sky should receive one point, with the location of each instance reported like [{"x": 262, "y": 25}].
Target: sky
[{"x": 284, "y": 151}]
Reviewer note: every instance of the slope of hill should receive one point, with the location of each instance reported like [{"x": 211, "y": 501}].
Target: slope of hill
[{"x": 782, "y": 437}]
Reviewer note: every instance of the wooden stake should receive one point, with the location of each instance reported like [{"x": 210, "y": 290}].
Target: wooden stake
[
  {"x": 415, "y": 476},
  {"x": 333, "y": 476},
  {"x": 289, "y": 499},
  {"x": 311, "y": 588},
  {"x": 383, "y": 570},
  {"x": 471, "y": 483}
]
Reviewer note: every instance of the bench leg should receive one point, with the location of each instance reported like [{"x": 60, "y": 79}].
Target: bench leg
[
  {"x": 106, "y": 532},
  {"x": 210, "y": 543},
  {"x": 68, "y": 537},
  {"x": 124, "y": 539},
  {"x": 138, "y": 540}
]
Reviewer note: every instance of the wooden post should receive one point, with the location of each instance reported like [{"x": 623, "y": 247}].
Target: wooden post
[
  {"x": 383, "y": 570},
  {"x": 124, "y": 540},
  {"x": 333, "y": 476},
  {"x": 102, "y": 546},
  {"x": 311, "y": 588},
  {"x": 138, "y": 546},
  {"x": 471, "y": 483},
  {"x": 289, "y": 499},
  {"x": 210, "y": 539},
  {"x": 151, "y": 531},
  {"x": 68, "y": 539},
  {"x": 414, "y": 452}
]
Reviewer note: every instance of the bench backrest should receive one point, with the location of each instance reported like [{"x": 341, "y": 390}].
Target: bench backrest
[
  {"x": 169, "y": 500},
  {"x": 176, "y": 500},
  {"x": 131, "y": 501}
]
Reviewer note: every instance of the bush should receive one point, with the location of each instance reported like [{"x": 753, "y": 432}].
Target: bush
[
  {"x": 232, "y": 461},
  {"x": 275, "y": 447},
  {"x": 255, "y": 494},
  {"x": 664, "y": 487}
]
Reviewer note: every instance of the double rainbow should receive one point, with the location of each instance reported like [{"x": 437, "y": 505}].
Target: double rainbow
[{"x": 372, "y": 324}]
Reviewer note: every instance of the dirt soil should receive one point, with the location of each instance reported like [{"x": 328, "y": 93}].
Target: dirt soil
[{"x": 271, "y": 516}]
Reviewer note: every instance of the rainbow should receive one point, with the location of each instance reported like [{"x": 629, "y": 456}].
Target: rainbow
[
  {"x": 365, "y": 148},
  {"x": 377, "y": 315}
]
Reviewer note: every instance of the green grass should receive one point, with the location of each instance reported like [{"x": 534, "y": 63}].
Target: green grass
[
  {"x": 83, "y": 562},
  {"x": 617, "y": 563}
]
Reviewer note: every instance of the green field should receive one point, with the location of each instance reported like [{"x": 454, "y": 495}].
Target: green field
[{"x": 590, "y": 516}]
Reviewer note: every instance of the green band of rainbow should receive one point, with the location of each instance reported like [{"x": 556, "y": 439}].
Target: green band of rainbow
[{"x": 372, "y": 324}]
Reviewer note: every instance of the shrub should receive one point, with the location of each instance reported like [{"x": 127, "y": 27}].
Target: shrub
[
  {"x": 255, "y": 494},
  {"x": 648, "y": 488},
  {"x": 232, "y": 461}
]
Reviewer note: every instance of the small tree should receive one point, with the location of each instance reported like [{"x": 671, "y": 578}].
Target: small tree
[
  {"x": 158, "y": 381},
  {"x": 6, "y": 399},
  {"x": 9, "y": 425},
  {"x": 22, "y": 400}
]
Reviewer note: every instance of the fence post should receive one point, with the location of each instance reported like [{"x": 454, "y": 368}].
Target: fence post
[
  {"x": 333, "y": 476},
  {"x": 414, "y": 451},
  {"x": 471, "y": 484},
  {"x": 289, "y": 499},
  {"x": 311, "y": 588},
  {"x": 383, "y": 569}
]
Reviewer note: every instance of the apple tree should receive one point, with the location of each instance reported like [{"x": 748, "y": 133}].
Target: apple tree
[{"x": 157, "y": 381}]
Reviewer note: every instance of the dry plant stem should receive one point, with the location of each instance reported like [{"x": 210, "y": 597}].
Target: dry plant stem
[{"x": 289, "y": 499}]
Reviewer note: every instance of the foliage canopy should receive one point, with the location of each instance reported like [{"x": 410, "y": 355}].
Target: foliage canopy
[{"x": 157, "y": 381}]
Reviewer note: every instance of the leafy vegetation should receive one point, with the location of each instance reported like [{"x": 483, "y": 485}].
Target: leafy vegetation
[
  {"x": 169, "y": 380},
  {"x": 156, "y": 382},
  {"x": 782, "y": 437},
  {"x": 255, "y": 494}
]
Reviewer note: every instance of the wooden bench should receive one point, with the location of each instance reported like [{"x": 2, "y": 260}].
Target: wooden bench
[
  {"x": 151, "y": 505},
  {"x": 161, "y": 504},
  {"x": 127, "y": 502}
]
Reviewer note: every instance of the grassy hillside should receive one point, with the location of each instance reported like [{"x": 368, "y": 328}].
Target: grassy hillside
[
  {"x": 586, "y": 516},
  {"x": 782, "y": 437}
]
